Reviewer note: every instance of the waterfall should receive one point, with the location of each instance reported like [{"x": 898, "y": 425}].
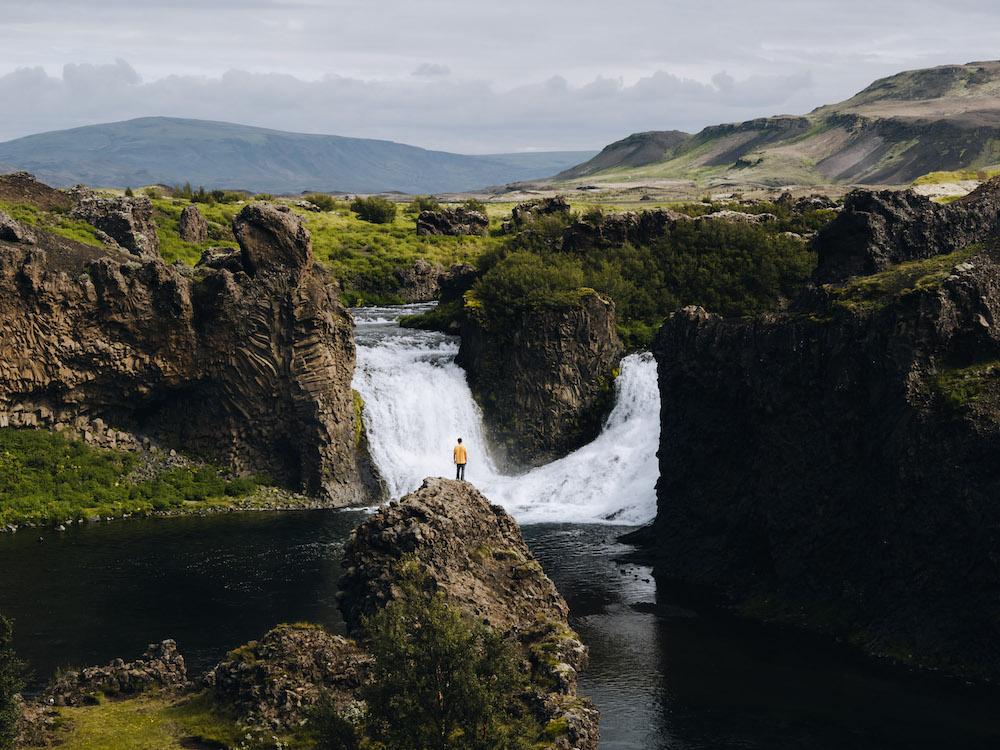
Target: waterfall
[{"x": 417, "y": 402}]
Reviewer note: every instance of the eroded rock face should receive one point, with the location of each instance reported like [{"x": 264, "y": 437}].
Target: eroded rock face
[
  {"x": 129, "y": 221},
  {"x": 473, "y": 552},
  {"x": 845, "y": 453},
  {"x": 193, "y": 226},
  {"x": 12, "y": 230},
  {"x": 545, "y": 380},
  {"x": 249, "y": 365},
  {"x": 524, "y": 214},
  {"x": 452, "y": 221},
  {"x": 878, "y": 229}
]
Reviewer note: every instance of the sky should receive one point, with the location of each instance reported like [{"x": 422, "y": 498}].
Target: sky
[{"x": 463, "y": 75}]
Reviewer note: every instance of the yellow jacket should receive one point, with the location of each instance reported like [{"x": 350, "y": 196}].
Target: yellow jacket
[{"x": 460, "y": 454}]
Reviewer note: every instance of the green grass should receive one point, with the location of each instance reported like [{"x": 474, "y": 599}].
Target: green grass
[
  {"x": 156, "y": 721},
  {"x": 937, "y": 178},
  {"x": 869, "y": 294},
  {"x": 53, "y": 223},
  {"x": 45, "y": 478},
  {"x": 960, "y": 386}
]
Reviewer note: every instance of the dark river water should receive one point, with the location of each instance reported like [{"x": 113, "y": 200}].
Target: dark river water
[{"x": 663, "y": 676}]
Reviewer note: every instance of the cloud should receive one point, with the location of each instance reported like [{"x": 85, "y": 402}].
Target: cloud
[
  {"x": 440, "y": 112},
  {"x": 431, "y": 70}
]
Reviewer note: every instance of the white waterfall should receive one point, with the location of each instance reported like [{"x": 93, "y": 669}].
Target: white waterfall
[{"x": 417, "y": 402}]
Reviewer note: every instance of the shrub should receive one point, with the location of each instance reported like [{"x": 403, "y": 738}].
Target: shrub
[
  {"x": 322, "y": 201},
  {"x": 374, "y": 210},
  {"x": 129, "y": 193},
  {"x": 11, "y": 683},
  {"x": 442, "y": 681},
  {"x": 423, "y": 203},
  {"x": 474, "y": 204},
  {"x": 523, "y": 279}
]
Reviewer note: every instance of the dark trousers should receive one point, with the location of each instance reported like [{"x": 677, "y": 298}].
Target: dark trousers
[{"x": 459, "y": 471}]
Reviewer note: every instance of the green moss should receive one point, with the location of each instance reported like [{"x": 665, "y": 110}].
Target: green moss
[
  {"x": 553, "y": 730},
  {"x": 960, "y": 386},
  {"x": 359, "y": 425}
]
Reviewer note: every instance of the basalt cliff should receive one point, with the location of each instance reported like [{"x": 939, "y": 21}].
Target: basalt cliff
[
  {"x": 247, "y": 358},
  {"x": 836, "y": 464}
]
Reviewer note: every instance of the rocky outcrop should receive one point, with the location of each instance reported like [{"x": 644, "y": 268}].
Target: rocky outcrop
[
  {"x": 525, "y": 214},
  {"x": 21, "y": 187},
  {"x": 250, "y": 363},
  {"x": 12, "y": 230},
  {"x": 193, "y": 226},
  {"x": 737, "y": 217},
  {"x": 878, "y": 229},
  {"x": 473, "y": 552},
  {"x": 544, "y": 378},
  {"x": 838, "y": 460},
  {"x": 161, "y": 667},
  {"x": 419, "y": 282},
  {"x": 456, "y": 281},
  {"x": 616, "y": 229},
  {"x": 129, "y": 221},
  {"x": 277, "y": 680},
  {"x": 453, "y": 221}
]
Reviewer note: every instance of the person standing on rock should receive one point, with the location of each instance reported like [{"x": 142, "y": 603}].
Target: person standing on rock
[{"x": 461, "y": 456}]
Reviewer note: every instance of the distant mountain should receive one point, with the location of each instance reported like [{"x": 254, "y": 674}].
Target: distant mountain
[
  {"x": 897, "y": 129},
  {"x": 173, "y": 151}
]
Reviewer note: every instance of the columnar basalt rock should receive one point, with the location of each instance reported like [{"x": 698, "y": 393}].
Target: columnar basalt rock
[
  {"x": 843, "y": 453},
  {"x": 545, "y": 380},
  {"x": 250, "y": 363}
]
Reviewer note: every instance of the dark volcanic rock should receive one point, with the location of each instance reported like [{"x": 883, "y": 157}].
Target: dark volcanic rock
[
  {"x": 843, "y": 457},
  {"x": 525, "y": 214},
  {"x": 615, "y": 229},
  {"x": 14, "y": 231},
  {"x": 162, "y": 666},
  {"x": 419, "y": 282},
  {"x": 193, "y": 226},
  {"x": 456, "y": 281},
  {"x": 473, "y": 552},
  {"x": 276, "y": 680},
  {"x": 21, "y": 187},
  {"x": 878, "y": 229},
  {"x": 254, "y": 370},
  {"x": 544, "y": 379},
  {"x": 129, "y": 221},
  {"x": 272, "y": 236},
  {"x": 452, "y": 221}
]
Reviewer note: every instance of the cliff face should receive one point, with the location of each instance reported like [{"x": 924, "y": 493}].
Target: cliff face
[
  {"x": 248, "y": 358},
  {"x": 544, "y": 381},
  {"x": 841, "y": 457}
]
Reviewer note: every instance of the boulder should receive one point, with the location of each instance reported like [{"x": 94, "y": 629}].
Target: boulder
[
  {"x": 419, "y": 282},
  {"x": 193, "y": 226},
  {"x": 14, "y": 231},
  {"x": 737, "y": 217},
  {"x": 272, "y": 237},
  {"x": 616, "y": 229},
  {"x": 524, "y": 214},
  {"x": 275, "y": 681},
  {"x": 452, "y": 221},
  {"x": 129, "y": 221}
]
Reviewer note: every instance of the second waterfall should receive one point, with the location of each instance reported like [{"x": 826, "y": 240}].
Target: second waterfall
[{"x": 417, "y": 402}]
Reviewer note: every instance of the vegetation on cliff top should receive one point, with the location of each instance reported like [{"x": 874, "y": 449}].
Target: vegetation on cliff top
[{"x": 11, "y": 671}]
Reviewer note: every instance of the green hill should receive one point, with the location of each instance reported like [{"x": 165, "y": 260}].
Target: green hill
[
  {"x": 899, "y": 128},
  {"x": 223, "y": 155}
]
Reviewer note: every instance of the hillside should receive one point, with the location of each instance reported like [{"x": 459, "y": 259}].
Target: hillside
[
  {"x": 173, "y": 151},
  {"x": 897, "y": 129}
]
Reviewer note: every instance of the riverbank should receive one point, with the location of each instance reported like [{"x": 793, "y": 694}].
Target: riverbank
[{"x": 51, "y": 480}]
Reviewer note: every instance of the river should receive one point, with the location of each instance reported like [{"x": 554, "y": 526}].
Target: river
[{"x": 663, "y": 674}]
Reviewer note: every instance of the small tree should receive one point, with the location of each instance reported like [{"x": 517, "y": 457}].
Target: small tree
[
  {"x": 423, "y": 203},
  {"x": 442, "y": 681},
  {"x": 375, "y": 210},
  {"x": 474, "y": 204},
  {"x": 11, "y": 682},
  {"x": 129, "y": 193}
]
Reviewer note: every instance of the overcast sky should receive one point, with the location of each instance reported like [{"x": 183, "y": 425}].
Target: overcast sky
[{"x": 464, "y": 75}]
